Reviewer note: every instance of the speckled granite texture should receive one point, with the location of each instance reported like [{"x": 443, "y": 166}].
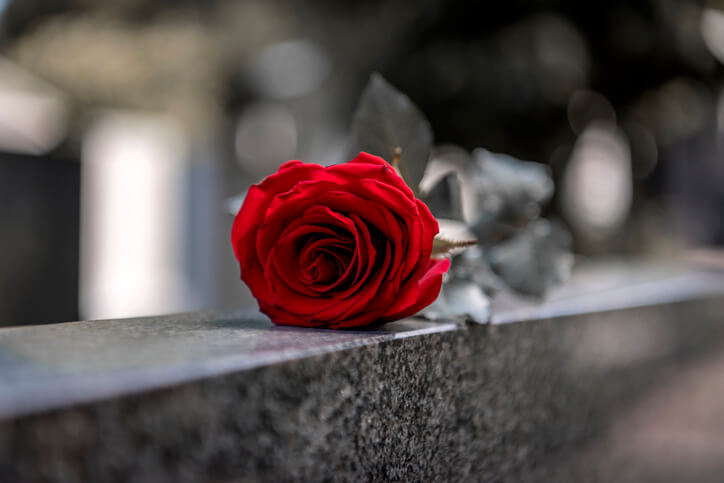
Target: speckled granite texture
[{"x": 481, "y": 403}]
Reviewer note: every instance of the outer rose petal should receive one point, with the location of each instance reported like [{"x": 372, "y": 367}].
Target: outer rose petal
[
  {"x": 391, "y": 176},
  {"x": 428, "y": 289},
  {"x": 251, "y": 216},
  {"x": 359, "y": 222}
]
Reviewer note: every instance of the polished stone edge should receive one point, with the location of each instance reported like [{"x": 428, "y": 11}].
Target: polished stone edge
[
  {"x": 103, "y": 386},
  {"x": 20, "y": 397},
  {"x": 481, "y": 403},
  {"x": 679, "y": 288}
]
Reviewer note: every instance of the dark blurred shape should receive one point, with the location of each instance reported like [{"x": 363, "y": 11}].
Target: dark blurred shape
[
  {"x": 676, "y": 110},
  {"x": 644, "y": 150},
  {"x": 586, "y": 106},
  {"x": 695, "y": 186},
  {"x": 40, "y": 199}
]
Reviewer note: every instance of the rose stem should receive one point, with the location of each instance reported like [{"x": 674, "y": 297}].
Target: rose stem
[{"x": 396, "y": 158}]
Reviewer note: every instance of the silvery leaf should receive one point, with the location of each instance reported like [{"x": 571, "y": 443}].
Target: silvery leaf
[
  {"x": 440, "y": 187},
  {"x": 533, "y": 260},
  {"x": 386, "y": 119},
  {"x": 462, "y": 300},
  {"x": 468, "y": 300},
  {"x": 445, "y": 159},
  {"x": 520, "y": 182},
  {"x": 498, "y": 193},
  {"x": 444, "y": 199},
  {"x": 508, "y": 191},
  {"x": 472, "y": 265},
  {"x": 506, "y": 194}
]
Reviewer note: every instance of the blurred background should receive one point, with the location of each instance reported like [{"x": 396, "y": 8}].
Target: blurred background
[{"x": 126, "y": 126}]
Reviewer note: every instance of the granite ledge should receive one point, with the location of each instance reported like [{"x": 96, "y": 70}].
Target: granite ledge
[
  {"x": 51, "y": 366},
  {"x": 414, "y": 400}
]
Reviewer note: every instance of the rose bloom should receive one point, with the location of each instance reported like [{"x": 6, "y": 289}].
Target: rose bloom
[{"x": 339, "y": 247}]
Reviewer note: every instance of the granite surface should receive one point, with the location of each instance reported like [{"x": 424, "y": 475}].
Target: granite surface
[
  {"x": 673, "y": 434},
  {"x": 203, "y": 397}
]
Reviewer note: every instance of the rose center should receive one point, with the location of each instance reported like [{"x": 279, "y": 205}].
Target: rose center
[{"x": 322, "y": 261}]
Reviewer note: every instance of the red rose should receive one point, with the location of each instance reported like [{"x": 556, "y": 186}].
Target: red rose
[{"x": 343, "y": 246}]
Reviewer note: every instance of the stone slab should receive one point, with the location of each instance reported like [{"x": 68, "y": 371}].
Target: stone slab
[
  {"x": 210, "y": 397},
  {"x": 46, "y": 367}
]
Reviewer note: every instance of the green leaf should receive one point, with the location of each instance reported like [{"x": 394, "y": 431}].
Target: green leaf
[{"x": 386, "y": 119}]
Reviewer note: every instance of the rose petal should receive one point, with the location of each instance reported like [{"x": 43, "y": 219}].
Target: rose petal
[
  {"x": 428, "y": 290},
  {"x": 343, "y": 246},
  {"x": 252, "y": 215}
]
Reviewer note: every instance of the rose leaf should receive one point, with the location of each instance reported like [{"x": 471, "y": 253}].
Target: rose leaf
[
  {"x": 444, "y": 198},
  {"x": 460, "y": 299},
  {"x": 441, "y": 187},
  {"x": 508, "y": 193},
  {"x": 472, "y": 265},
  {"x": 453, "y": 236},
  {"x": 387, "y": 119},
  {"x": 468, "y": 300},
  {"x": 535, "y": 259}
]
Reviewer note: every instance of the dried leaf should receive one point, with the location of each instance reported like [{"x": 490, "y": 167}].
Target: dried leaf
[{"x": 386, "y": 119}]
